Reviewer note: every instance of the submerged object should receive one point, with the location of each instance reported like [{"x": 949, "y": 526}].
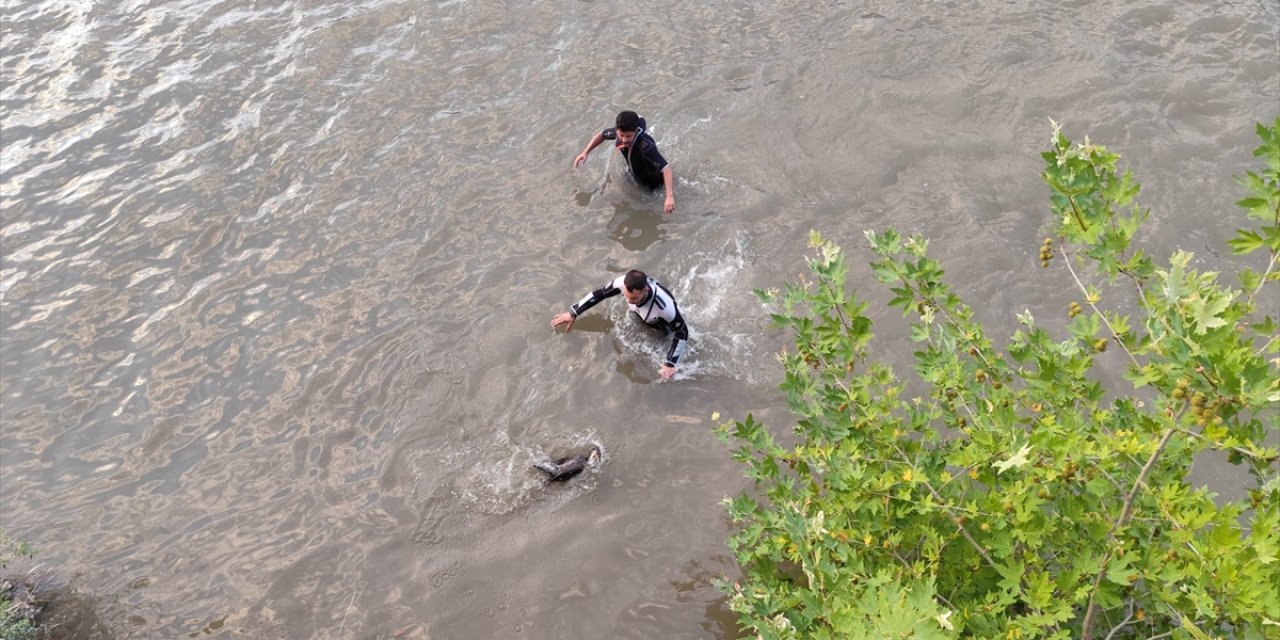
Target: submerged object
[{"x": 564, "y": 468}]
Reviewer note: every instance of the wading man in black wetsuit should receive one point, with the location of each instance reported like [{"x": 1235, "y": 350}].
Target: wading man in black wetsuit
[
  {"x": 648, "y": 166},
  {"x": 651, "y": 301}
]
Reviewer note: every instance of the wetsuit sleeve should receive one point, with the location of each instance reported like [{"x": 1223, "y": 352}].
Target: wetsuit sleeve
[
  {"x": 593, "y": 298},
  {"x": 679, "y": 339}
]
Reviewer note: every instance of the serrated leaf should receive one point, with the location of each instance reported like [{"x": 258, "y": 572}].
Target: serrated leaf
[
  {"x": 944, "y": 621},
  {"x": 1206, "y": 313},
  {"x": 1249, "y": 279},
  {"x": 1250, "y": 203},
  {"x": 1143, "y": 377},
  {"x": 884, "y": 272},
  {"x": 1266, "y": 549},
  {"x": 1244, "y": 242},
  {"x": 1121, "y": 573},
  {"x": 1173, "y": 285},
  {"x": 1018, "y": 459},
  {"x": 1193, "y": 630}
]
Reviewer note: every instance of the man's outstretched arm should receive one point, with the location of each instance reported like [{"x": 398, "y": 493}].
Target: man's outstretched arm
[
  {"x": 596, "y": 140},
  {"x": 588, "y": 301}
]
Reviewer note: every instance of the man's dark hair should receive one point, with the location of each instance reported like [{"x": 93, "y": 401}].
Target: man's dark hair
[
  {"x": 635, "y": 280},
  {"x": 627, "y": 121}
]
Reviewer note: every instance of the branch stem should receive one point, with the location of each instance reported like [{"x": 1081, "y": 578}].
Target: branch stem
[
  {"x": 1066, "y": 258},
  {"x": 1126, "y": 512},
  {"x": 959, "y": 525},
  {"x": 1271, "y": 264}
]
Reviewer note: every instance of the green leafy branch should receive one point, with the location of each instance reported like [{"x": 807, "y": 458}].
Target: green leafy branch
[{"x": 1016, "y": 497}]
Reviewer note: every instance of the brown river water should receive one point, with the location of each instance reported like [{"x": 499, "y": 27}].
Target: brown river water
[{"x": 277, "y": 276}]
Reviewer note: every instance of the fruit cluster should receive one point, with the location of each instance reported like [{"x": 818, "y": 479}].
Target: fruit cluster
[
  {"x": 1046, "y": 252},
  {"x": 1205, "y": 411}
]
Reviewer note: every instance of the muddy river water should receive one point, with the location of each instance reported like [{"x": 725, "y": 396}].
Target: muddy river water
[{"x": 276, "y": 279}]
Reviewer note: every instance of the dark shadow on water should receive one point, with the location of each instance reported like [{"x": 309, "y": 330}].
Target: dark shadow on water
[
  {"x": 635, "y": 228},
  {"x": 639, "y": 374},
  {"x": 592, "y": 323},
  {"x": 73, "y": 616},
  {"x": 721, "y": 622}
]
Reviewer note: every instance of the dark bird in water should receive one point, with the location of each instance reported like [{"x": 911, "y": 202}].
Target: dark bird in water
[{"x": 564, "y": 468}]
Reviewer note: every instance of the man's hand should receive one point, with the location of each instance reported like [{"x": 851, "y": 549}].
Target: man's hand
[
  {"x": 669, "y": 185},
  {"x": 667, "y": 371},
  {"x": 563, "y": 319},
  {"x": 595, "y": 142}
]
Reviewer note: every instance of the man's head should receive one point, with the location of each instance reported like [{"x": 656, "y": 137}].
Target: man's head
[
  {"x": 627, "y": 121},
  {"x": 627, "y": 125},
  {"x": 635, "y": 286}
]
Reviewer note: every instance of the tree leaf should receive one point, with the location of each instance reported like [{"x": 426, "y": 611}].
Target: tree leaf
[
  {"x": 1018, "y": 459},
  {"x": 1244, "y": 242},
  {"x": 1207, "y": 314}
]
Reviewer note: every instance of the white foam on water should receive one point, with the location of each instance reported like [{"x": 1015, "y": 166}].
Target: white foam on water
[
  {"x": 498, "y": 477},
  {"x": 723, "y": 317}
]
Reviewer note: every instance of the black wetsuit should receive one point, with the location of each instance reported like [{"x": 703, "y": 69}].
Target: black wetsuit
[
  {"x": 642, "y": 156},
  {"x": 658, "y": 310}
]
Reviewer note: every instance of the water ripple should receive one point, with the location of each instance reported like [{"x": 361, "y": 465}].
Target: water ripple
[{"x": 276, "y": 276}]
